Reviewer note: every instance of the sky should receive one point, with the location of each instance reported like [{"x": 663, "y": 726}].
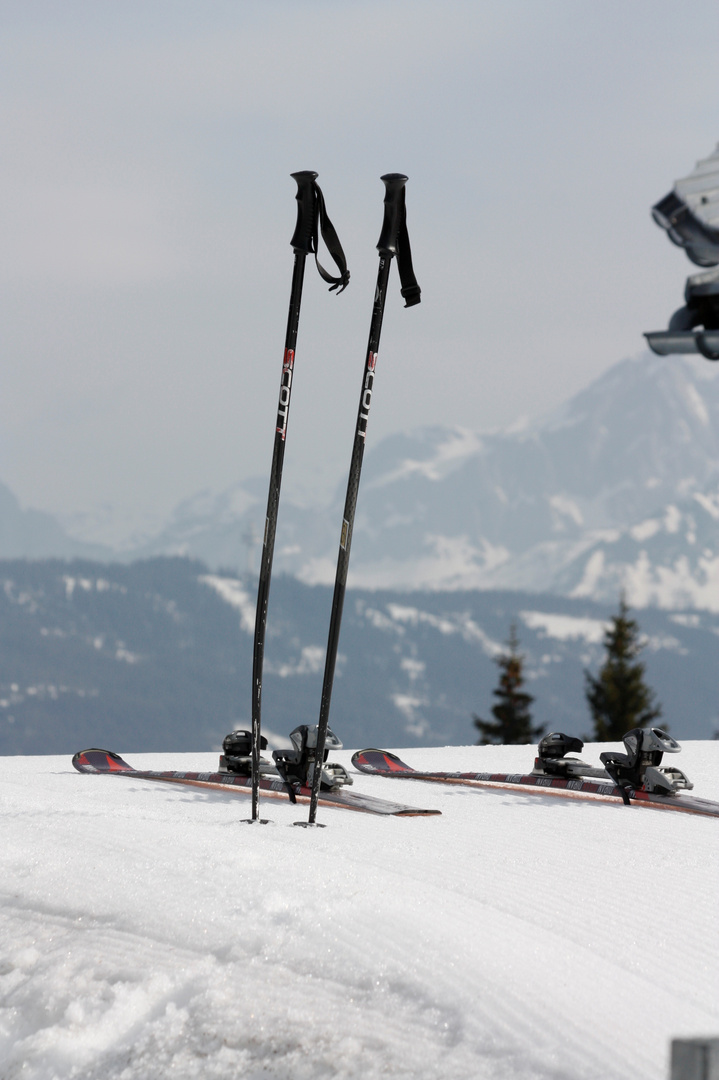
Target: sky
[{"x": 146, "y": 211}]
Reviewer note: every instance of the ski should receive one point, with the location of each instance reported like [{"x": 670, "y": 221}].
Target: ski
[
  {"x": 108, "y": 763},
  {"x": 393, "y": 242},
  {"x": 383, "y": 763}
]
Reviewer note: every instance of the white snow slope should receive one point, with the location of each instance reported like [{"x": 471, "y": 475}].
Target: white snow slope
[{"x": 146, "y": 932}]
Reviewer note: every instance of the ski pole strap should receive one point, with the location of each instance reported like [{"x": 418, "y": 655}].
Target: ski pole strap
[
  {"x": 394, "y": 238},
  {"x": 410, "y": 289},
  {"x": 287, "y": 780},
  {"x": 313, "y": 220},
  {"x": 331, "y": 240}
]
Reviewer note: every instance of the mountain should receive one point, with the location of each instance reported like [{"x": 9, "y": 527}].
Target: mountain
[
  {"x": 157, "y": 655},
  {"x": 33, "y": 534},
  {"x": 619, "y": 488}
]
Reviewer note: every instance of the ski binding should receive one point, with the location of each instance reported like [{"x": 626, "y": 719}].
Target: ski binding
[
  {"x": 296, "y": 766},
  {"x": 551, "y": 759},
  {"x": 639, "y": 768}
]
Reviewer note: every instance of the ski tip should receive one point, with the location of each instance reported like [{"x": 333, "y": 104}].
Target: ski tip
[
  {"x": 380, "y": 762},
  {"x": 95, "y": 760}
]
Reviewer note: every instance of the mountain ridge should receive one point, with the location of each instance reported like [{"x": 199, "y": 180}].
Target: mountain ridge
[{"x": 617, "y": 488}]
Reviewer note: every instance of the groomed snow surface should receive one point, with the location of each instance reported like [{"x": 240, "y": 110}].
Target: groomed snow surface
[{"x": 147, "y": 933}]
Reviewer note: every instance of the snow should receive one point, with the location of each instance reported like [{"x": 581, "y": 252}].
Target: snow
[
  {"x": 565, "y": 627},
  {"x": 674, "y": 586},
  {"x": 696, "y": 405},
  {"x": 312, "y": 660},
  {"x": 450, "y": 562},
  {"x": 591, "y": 577},
  {"x": 457, "y": 445},
  {"x": 645, "y": 530},
  {"x": 693, "y": 621},
  {"x": 146, "y": 932},
  {"x": 233, "y": 593},
  {"x": 566, "y": 506},
  {"x": 672, "y": 519},
  {"x": 455, "y": 623},
  {"x": 709, "y": 502}
]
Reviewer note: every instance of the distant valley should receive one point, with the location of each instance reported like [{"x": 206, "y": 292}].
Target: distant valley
[{"x": 156, "y": 655}]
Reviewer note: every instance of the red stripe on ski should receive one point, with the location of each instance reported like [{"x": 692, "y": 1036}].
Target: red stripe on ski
[
  {"x": 100, "y": 761},
  {"x": 379, "y": 760}
]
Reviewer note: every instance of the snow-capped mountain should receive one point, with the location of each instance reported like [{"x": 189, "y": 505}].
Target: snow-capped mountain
[{"x": 619, "y": 488}]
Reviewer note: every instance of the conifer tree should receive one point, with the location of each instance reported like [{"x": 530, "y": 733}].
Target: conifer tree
[
  {"x": 618, "y": 698},
  {"x": 512, "y": 718}
]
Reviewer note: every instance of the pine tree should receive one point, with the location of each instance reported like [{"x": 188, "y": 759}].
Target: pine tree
[
  {"x": 618, "y": 698},
  {"x": 512, "y": 719}
]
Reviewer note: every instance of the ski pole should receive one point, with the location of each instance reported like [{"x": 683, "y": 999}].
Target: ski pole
[
  {"x": 393, "y": 241},
  {"x": 311, "y": 219}
]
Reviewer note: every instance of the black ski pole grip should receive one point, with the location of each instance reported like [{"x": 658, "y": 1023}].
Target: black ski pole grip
[
  {"x": 393, "y": 212},
  {"x": 306, "y": 209}
]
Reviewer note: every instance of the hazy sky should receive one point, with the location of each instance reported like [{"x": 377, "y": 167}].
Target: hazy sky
[{"x": 146, "y": 210}]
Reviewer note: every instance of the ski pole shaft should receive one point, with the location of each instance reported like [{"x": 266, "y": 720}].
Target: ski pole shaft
[
  {"x": 387, "y": 245},
  {"x": 302, "y": 244}
]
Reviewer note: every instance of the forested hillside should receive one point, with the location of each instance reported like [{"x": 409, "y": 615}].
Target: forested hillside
[{"x": 157, "y": 655}]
